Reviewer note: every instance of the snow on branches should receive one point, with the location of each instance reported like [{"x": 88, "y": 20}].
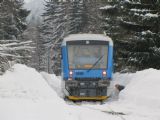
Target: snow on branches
[{"x": 14, "y": 50}]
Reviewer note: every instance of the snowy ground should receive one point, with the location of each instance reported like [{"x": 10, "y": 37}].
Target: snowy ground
[{"x": 25, "y": 95}]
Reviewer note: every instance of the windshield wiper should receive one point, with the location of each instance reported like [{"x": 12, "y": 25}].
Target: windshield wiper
[{"x": 95, "y": 63}]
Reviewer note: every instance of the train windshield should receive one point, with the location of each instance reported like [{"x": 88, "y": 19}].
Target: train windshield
[{"x": 87, "y": 56}]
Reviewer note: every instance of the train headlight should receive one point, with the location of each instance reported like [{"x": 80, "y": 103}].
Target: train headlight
[
  {"x": 70, "y": 73},
  {"x": 104, "y": 73}
]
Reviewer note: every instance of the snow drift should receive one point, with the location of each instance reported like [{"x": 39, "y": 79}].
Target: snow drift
[
  {"x": 24, "y": 82},
  {"x": 143, "y": 89},
  {"x": 140, "y": 100},
  {"x": 54, "y": 82},
  {"x": 26, "y": 94}
]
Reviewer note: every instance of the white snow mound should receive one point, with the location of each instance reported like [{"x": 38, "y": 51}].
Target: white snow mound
[
  {"x": 54, "y": 81},
  {"x": 143, "y": 89},
  {"x": 24, "y": 82},
  {"x": 26, "y": 94}
]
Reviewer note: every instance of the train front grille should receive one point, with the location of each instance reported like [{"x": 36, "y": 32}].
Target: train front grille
[{"x": 87, "y": 79}]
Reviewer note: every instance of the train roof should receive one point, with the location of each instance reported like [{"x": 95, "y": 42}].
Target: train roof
[{"x": 75, "y": 37}]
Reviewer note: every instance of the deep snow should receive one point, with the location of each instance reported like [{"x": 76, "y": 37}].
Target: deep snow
[{"x": 26, "y": 94}]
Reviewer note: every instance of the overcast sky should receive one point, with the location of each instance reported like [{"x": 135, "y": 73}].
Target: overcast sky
[{"x": 27, "y": 1}]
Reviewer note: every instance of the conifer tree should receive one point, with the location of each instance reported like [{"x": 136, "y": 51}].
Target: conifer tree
[
  {"x": 137, "y": 41},
  {"x": 12, "y": 25},
  {"x": 52, "y": 32},
  {"x": 12, "y": 19}
]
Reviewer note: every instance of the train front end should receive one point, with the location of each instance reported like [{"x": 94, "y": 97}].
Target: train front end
[{"x": 87, "y": 66}]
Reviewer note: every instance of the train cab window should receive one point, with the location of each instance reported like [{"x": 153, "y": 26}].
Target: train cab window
[{"x": 87, "y": 56}]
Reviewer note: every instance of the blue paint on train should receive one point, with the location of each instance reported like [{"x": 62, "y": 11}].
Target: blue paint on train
[
  {"x": 77, "y": 71},
  {"x": 83, "y": 72}
]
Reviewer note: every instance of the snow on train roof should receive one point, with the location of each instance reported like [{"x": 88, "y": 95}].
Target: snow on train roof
[{"x": 99, "y": 37}]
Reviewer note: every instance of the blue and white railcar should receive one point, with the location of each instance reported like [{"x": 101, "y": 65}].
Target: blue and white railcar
[{"x": 87, "y": 62}]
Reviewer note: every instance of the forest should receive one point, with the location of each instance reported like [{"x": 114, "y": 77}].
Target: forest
[{"x": 133, "y": 25}]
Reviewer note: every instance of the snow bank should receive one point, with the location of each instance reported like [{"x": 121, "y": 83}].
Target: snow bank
[
  {"x": 25, "y": 95},
  {"x": 143, "y": 89},
  {"x": 54, "y": 82},
  {"x": 24, "y": 82}
]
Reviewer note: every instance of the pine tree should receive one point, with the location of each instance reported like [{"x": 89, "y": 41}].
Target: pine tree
[
  {"x": 137, "y": 25},
  {"x": 12, "y": 25},
  {"x": 32, "y": 34},
  {"x": 113, "y": 13},
  {"x": 52, "y": 32},
  {"x": 75, "y": 16},
  {"x": 12, "y": 19},
  {"x": 92, "y": 16}
]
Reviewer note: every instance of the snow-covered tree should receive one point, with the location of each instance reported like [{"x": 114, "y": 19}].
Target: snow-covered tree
[
  {"x": 12, "y": 25},
  {"x": 14, "y": 51},
  {"x": 76, "y": 19},
  {"x": 52, "y": 32},
  {"x": 12, "y": 19},
  {"x": 4, "y": 64},
  {"x": 113, "y": 13},
  {"x": 134, "y": 26},
  {"x": 32, "y": 34},
  {"x": 142, "y": 22},
  {"x": 92, "y": 16}
]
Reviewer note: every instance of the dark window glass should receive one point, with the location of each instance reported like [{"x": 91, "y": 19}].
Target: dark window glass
[{"x": 85, "y": 56}]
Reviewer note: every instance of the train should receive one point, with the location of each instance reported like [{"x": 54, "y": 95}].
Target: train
[{"x": 86, "y": 66}]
